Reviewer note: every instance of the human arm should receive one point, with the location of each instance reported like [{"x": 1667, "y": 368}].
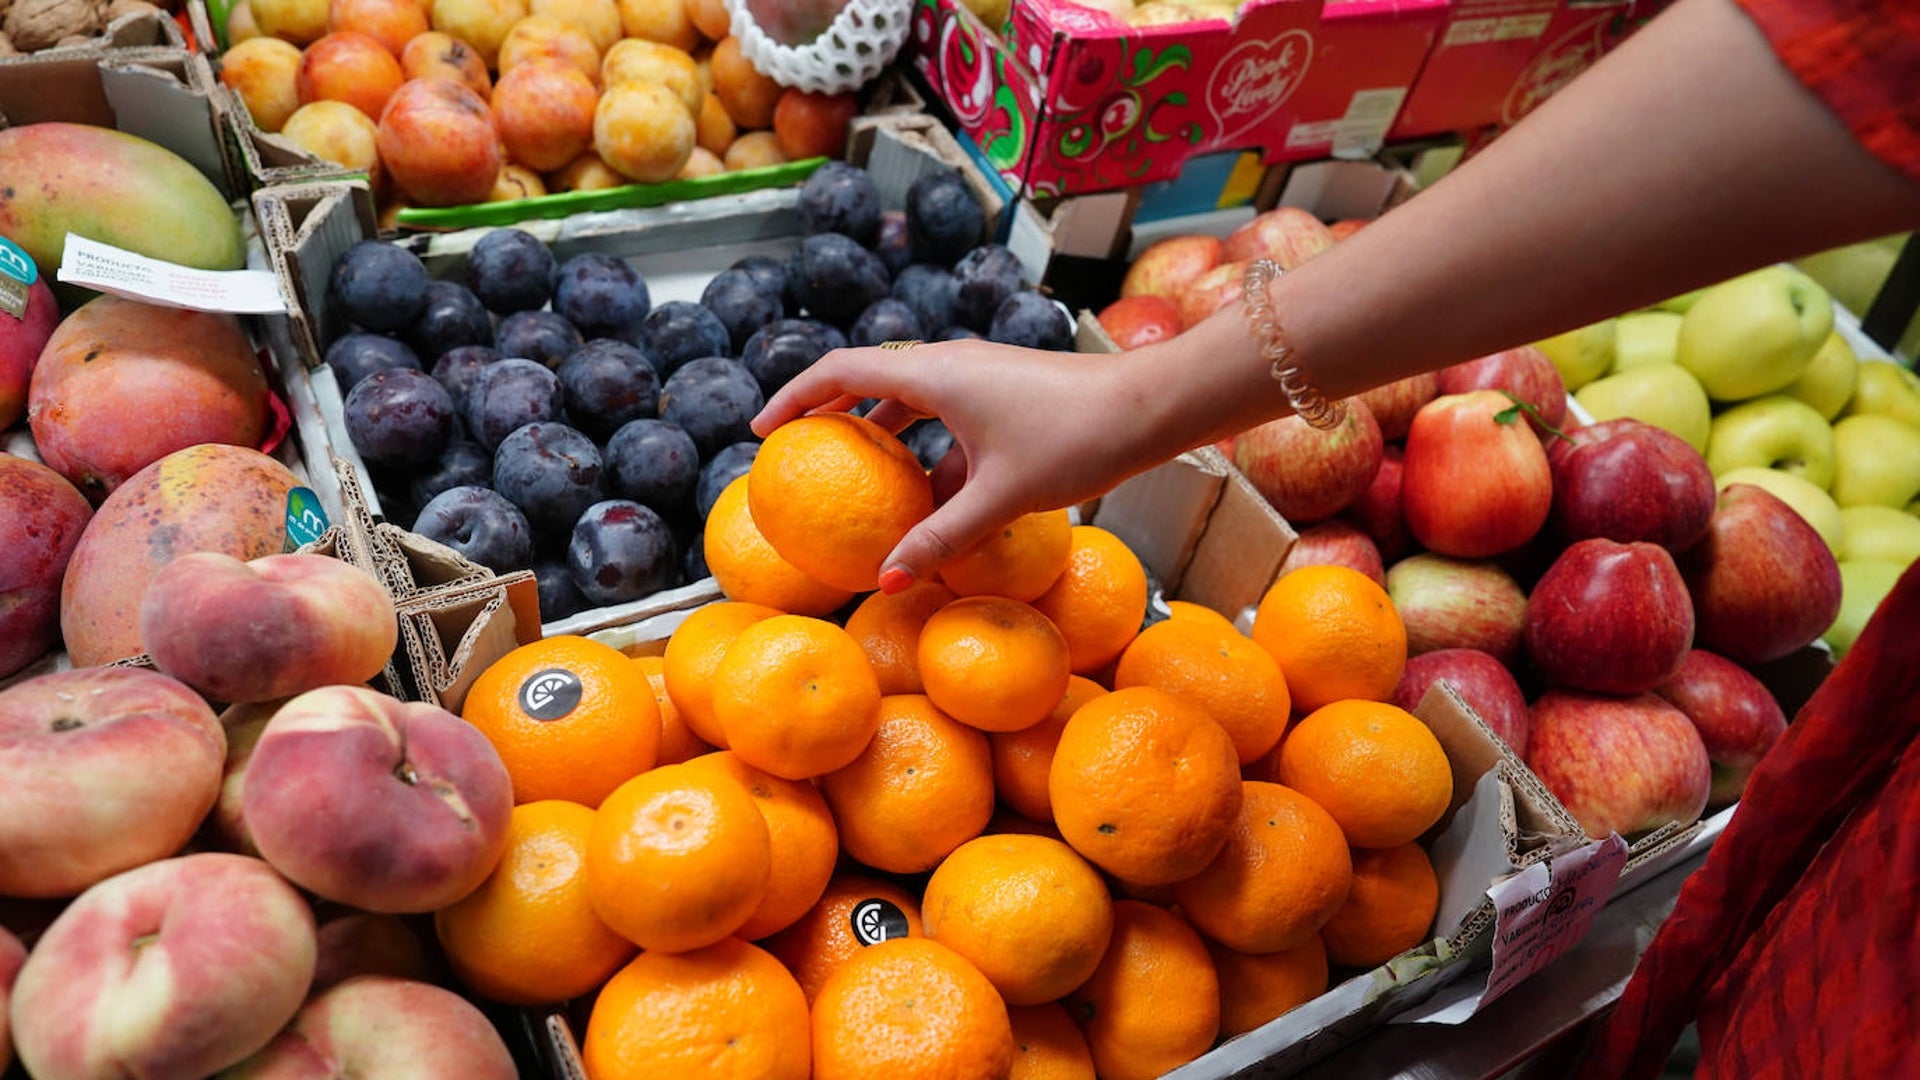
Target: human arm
[{"x": 1688, "y": 155}]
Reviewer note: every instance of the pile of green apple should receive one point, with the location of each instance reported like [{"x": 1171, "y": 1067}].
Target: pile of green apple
[{"x": 1752, "y": 373}]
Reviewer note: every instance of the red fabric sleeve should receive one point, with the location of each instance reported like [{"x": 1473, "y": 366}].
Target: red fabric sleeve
[{"x": 1862, "y": 58}]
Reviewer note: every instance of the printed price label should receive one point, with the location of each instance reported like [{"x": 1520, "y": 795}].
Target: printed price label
[
  {"x": 17, "y": 275},
  {"x": 1546, "y": 909},
  {"x": 133, "y": 276}
]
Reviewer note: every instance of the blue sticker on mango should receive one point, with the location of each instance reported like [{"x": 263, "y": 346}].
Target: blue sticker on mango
[
  {"x": 306, "y": 522},
  {"x": 17, "y": 275}
]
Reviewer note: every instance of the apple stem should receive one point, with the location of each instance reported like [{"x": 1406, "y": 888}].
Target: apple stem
[
  {"x": 1508, "y": 416},
  {"x": 405, "y": 774}
]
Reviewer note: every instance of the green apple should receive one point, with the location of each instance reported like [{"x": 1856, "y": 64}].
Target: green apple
[
  {"x": 1679, "y": 304},
  {"x": 1811, "y": 503},
  {"x": 1863, "y": 585},
  {"x": 1876, "y": 461},
  {"x": 1881, "y": 534},
  {"x": 1853, "y": 275},
  {"x": 1756, "y": 333},
  {"x": 1828, "y": 382},
  {"x": 1646, "y": 337},
  {"x": 1581, "y": 355},
  {"x": 1778, "y": 431},
  {"x": 1663, "y": 395},
  {"x": 1884, "y": 389}
]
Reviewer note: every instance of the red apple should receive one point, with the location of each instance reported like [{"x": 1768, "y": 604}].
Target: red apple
[
  {"x": 1477, "y": 482},
  {"x": 1288, "y": 235},
  {"x": 1737, "y": 717},
  {"x": 1335, "y": 543},
  {"x": 1609, "y": 617},
  {"x": 1133, "y": 321},
  {"x": 1395, "y": 404},
  {"x": 1305, "y": 472},
  {"x": 1525, "y": 372},
  {"x": 1627, "y": 480},
  {"x": 1458, "y": 604},
  {"x": 1763, "y": 582},
  {"x": 1211, "y": 291},
  {"x": 1346, "y": 227},
  {"x": 1483, "y": 682},
  {"x": 1626, "y": 765},
  {"x": 1378, "y": 511},
  {"x": 1169, "y": 266}
]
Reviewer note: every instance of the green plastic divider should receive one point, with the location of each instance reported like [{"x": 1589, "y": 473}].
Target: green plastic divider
[{"x": 632, "y": 196}]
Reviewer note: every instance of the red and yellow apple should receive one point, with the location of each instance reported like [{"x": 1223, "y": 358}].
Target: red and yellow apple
[
  {"x": 1624, "y": 765},
  {"x": 1168, "y": 267},
  {"x": 1737, "y": 717},
  {"x": 1763, "y": 582},
  {"x": 1477, "y": 482},
  {"x": 1308, "y": 473},
  {"x": 1609, "y": 617},
  {"x": 1448, "y": 603},
  {"x": 1480, "y": 679},
  {"x": 1335, "y": 543},
  {"x": 41, "y": 519}
]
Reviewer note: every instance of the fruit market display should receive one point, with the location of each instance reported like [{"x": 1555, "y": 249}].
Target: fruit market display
[
  {"x": 546, "y": 415},
  {"x": 487, "y": 100}
]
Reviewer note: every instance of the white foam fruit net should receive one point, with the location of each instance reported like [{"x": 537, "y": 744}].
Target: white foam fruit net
[{"x": 862, "y": 40}]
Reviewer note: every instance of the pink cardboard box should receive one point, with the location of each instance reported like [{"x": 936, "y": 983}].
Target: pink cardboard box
[
  {"x": 1069, "y": 100},
  {"x": 1496, "y": 60}
]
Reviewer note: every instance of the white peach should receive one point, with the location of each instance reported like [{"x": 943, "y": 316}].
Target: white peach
[{"x": 379, "y": 1026}]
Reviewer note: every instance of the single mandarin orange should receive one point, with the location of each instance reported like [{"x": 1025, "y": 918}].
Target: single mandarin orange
[
  {"x": 725, "y": 1010},
  {"x": 571, "y": 717},
  {"x": 1283, "y": 873},
  {"x": 1020, "y": 562},
  {"x": 994, "y": 663},
  {"x": 922, "y": 787},
  {"x": 1376, "y": 768},
  {"x": 747, "y": 568},
  {"x": 1028, "y": 911},
  {"x": 1187, "y": 609},
  {"x": 1022, "y": 759},
  {"x": 887, "y": 626},
  {"x": 1153, "y": 1004},
  {"x": 855, "y": 911},
  {"x": 1217, "y": 668},
  {"x": 1145, "y": 785},
  {"x": 805, "y": 842},
  {"x": 679, "y": 857},
  {"x": 1099, "y": 602},
  {"x": 1256, "y": 987},
  {"x": 1335, "y": 633},
  {"x": 1390, "y": 909},
  {"x": 694, "y": 652},
  {"x": 910, "y": 1007},
  {"x": 528, "y": 935},
  {"x": 677, "y": 741},
  {"x": 1047, "y": 1044},
  {"x": 834, "y": 493},
  {"x": 795, "y": 696}
]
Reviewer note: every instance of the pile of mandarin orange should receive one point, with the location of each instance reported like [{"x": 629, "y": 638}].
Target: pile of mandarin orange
[{"x": 987, "y": 827}]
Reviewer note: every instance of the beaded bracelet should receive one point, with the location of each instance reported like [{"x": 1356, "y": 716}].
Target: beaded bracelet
[{"x": 1311, "y": 405}]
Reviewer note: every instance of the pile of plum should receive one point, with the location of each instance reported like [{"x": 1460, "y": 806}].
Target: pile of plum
[{"x": 546, "y": 415}]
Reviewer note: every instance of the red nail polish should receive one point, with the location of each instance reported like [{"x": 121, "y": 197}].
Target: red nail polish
[{"x": 895, "y": 579}]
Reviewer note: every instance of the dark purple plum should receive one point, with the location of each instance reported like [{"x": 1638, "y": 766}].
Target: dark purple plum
[
  {"x": 895, "y": 245},
  {"x": 693, "y": 566},
  {"x": 986, "y": 276},
  {"x": 713, "y": 399},
  {"x": 929, "y": 440},
  {"x": 723, "y": 468},
  {"x": 652, "y": 462},
  {"x": 537, "y": 335},
  {"x": 1031, "y": 320},
  {"x": 780, "y": 350},
  {"x": 742, "y": 304},
  {"x": 680, "y": 330},
  {"x": 559, "y": 596},
  {"x": 957, "y": 333},
  {"x": 453, "y": 317},
  {"x": 887, "y": 319},
  {"x": 458, "y": 368},
  {"x": 841, "y": 198},
  {"x": 603, "y": 296},
  {"x": 461, "y": 464},
  {"x": 480, "y": 524},
  {"x": 836, "y": 278},
  {"x": 621, "y": 551},
  {"x": 606, "y": 384},
  {"x": 399, "y": 418},
  {"x": 355, "y": 356},
  {"x": 509, "y": 393},
  {"x": 944, "y": 220},
  {"x": 930, "y": 290},
  {"x": 379, "y": 286},
  {"x": 551, "y": 472},
  {"x": 771, "y": 273},
  {"x": 511, "y": 271}
]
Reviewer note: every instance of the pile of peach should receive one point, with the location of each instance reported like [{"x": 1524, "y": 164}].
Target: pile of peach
[{"x": 454, "y": 102}]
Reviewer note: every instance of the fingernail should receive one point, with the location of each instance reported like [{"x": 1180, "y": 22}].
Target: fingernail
[{"x": 895, "y": 579}]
